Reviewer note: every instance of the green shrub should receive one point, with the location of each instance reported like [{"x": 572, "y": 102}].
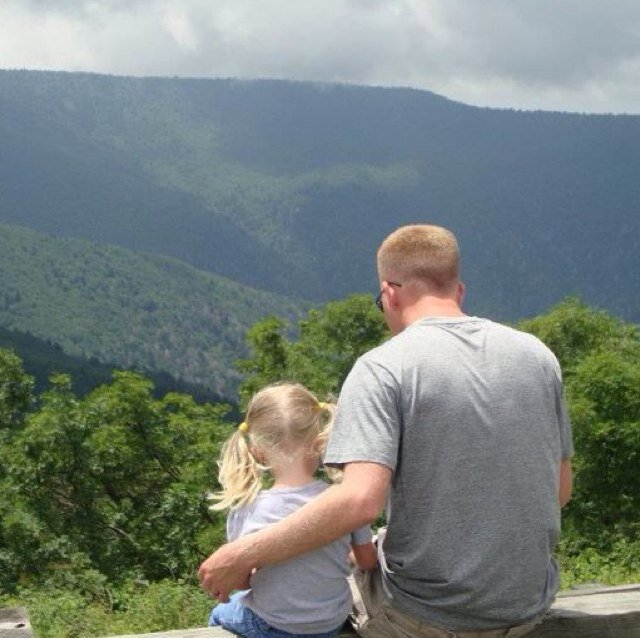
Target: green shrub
[
  {"x": 135, "y": 607},
  {"x": 610, "y": 562}
]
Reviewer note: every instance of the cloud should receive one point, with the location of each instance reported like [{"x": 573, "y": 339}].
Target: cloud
[{"x": 581, "y": 55}]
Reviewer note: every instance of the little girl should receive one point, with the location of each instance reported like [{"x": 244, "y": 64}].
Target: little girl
[{"x": 285, "y": 432}]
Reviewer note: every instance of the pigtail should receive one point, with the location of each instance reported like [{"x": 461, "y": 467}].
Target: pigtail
[
  {"x": 326, "y": 416},
  {"x": 240, "y": 474}
]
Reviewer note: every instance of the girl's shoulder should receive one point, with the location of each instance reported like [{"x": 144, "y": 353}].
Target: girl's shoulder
[
  {"x": 278, "y": 502},
  {"x": 317, "y": 487},
  {"x": 243, "y": 512},
  {"x": 309, "y": 490},
  {"x": 272, "y": 505}
]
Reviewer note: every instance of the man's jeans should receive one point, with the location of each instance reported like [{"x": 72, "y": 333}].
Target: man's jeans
[
  {"x": 374, "y": 617},
  {"x": 235, "y": 617}
]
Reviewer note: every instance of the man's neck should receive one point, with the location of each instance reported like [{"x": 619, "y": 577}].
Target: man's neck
[{"x": 429, "y": 306}]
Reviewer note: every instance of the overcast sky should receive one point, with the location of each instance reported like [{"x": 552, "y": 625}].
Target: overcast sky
[{"x": 571, "y": 55}]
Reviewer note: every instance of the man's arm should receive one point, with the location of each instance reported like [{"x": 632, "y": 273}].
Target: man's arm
[
  {"x": 356, "y": 501},
  {"x": 565, "y": 482}
]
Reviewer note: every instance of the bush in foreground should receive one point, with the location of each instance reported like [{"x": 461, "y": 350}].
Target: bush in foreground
[{"x": 135, "y": 607}]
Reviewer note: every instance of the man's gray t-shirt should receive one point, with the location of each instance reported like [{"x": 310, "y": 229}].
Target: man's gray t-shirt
[
  {"x": 304, "y": 595},
  {"x": 470, "y": 416}
]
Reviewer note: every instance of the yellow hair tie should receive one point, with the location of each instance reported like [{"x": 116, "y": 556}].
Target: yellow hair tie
[
  {"x": 243, "y": 427},
  {"x": 323, "y": 406}
]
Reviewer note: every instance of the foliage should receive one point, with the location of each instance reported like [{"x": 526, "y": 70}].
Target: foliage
[
  {"x": 15, "y": 390},
  {"x": 42, "y": 359},
  {"x": 610, "y": 560},
  {"x": 605, "y": 402},
  {"x": 601, "y": 359},
  {"x": 134, "y": 311},
  {"x": 102, "y": 498},
  {"x": 573, "y": 330},
  {"x": 115, "y": 482},
  {"x": 270, "y": 357},
  {"x": 134, "y": 607},
  {"x": 329, "y": 341}
]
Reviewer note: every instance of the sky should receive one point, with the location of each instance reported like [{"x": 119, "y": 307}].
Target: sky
[{"x": 567, "y": 55}]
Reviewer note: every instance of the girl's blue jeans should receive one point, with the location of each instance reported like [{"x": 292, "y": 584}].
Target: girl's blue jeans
[{"x": 235, "y": 617}]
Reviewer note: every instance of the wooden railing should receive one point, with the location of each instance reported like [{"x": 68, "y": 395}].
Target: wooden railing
[{"x": 595, "y": 612}]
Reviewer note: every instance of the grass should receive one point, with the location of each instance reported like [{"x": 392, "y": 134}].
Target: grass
[{"x": 132, "y": 609}]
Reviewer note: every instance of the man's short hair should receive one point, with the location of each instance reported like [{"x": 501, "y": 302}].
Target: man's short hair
[{"x": 421, "y": 252}]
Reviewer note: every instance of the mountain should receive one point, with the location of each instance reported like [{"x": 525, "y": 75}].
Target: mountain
[
  {"x": 289, "y": 187},
  {"x": 129, "y": 309},
  {"x": 42, "y": 359}
]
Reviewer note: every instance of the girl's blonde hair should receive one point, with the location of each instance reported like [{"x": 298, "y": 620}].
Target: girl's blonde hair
[{"x": 282, "y": 421}]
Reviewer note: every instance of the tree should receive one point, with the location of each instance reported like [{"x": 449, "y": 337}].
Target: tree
[
  {"x": 16, "y": 401},
  {"x": 270, "y": 358},
  {"x": 573, "y": 330},
  {"x": 600, "y": 357},
  {"x": 605, "y": 409},
  {"x": 329, "y": 341},
  {"x": 15, "y": 390},
  {"x": 115, "y": 482}
]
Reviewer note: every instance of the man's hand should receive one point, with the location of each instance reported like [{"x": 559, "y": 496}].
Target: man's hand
[{"x": 224, "y": 571}]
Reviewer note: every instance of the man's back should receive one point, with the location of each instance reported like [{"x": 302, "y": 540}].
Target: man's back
[{"x": 473, "y": 514}]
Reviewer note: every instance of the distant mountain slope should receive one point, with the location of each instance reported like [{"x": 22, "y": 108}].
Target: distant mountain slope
[
  {"x": 129, "y": 309},
  {"x": 290, "y": 186},
  {"x": 41, "y": 359}
]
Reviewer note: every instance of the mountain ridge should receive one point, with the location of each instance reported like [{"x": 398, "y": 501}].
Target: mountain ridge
[
  {"x": 290, "y": 186},
  {"x": 42, "y": 359}
]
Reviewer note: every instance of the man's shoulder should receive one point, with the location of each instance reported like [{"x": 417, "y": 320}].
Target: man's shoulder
[
  {"x": 524, "y": 346},
  {"x": 384, "y": 359},
  {"x": 525, "y": 339},
  {"x": 399, "y": 348}
]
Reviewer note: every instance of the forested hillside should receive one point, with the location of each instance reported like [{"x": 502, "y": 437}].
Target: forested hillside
[
  {"x": 289, "y": 187},
  {"x": 128, "y": 309},
  {"x": 43, "y": 359}
]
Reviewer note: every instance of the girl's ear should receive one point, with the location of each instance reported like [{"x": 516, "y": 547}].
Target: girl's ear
[{"x": 257, "y": 454}]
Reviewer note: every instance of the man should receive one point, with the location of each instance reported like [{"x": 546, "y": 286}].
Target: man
[{"x": 460, "y": 424}]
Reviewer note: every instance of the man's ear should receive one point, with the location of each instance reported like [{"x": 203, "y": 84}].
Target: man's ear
[
  {"x": 460, "y": 292},
  {"x": 391, "y": 294}
]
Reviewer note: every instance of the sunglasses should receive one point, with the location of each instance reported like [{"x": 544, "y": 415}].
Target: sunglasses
[{"x": 379, "y": 297}]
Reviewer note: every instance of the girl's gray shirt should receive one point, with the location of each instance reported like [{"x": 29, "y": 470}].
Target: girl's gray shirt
[{"x": 304, "y": 595}]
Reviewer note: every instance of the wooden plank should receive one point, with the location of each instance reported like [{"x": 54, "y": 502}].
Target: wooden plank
[
  {"x": 594, "y": 612},
  {"x": 601, "y": 600},
  {"x": 201, "y": 632},
  {"x": 558, "y": 626},
  {"x": 566, "y": 624}
]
